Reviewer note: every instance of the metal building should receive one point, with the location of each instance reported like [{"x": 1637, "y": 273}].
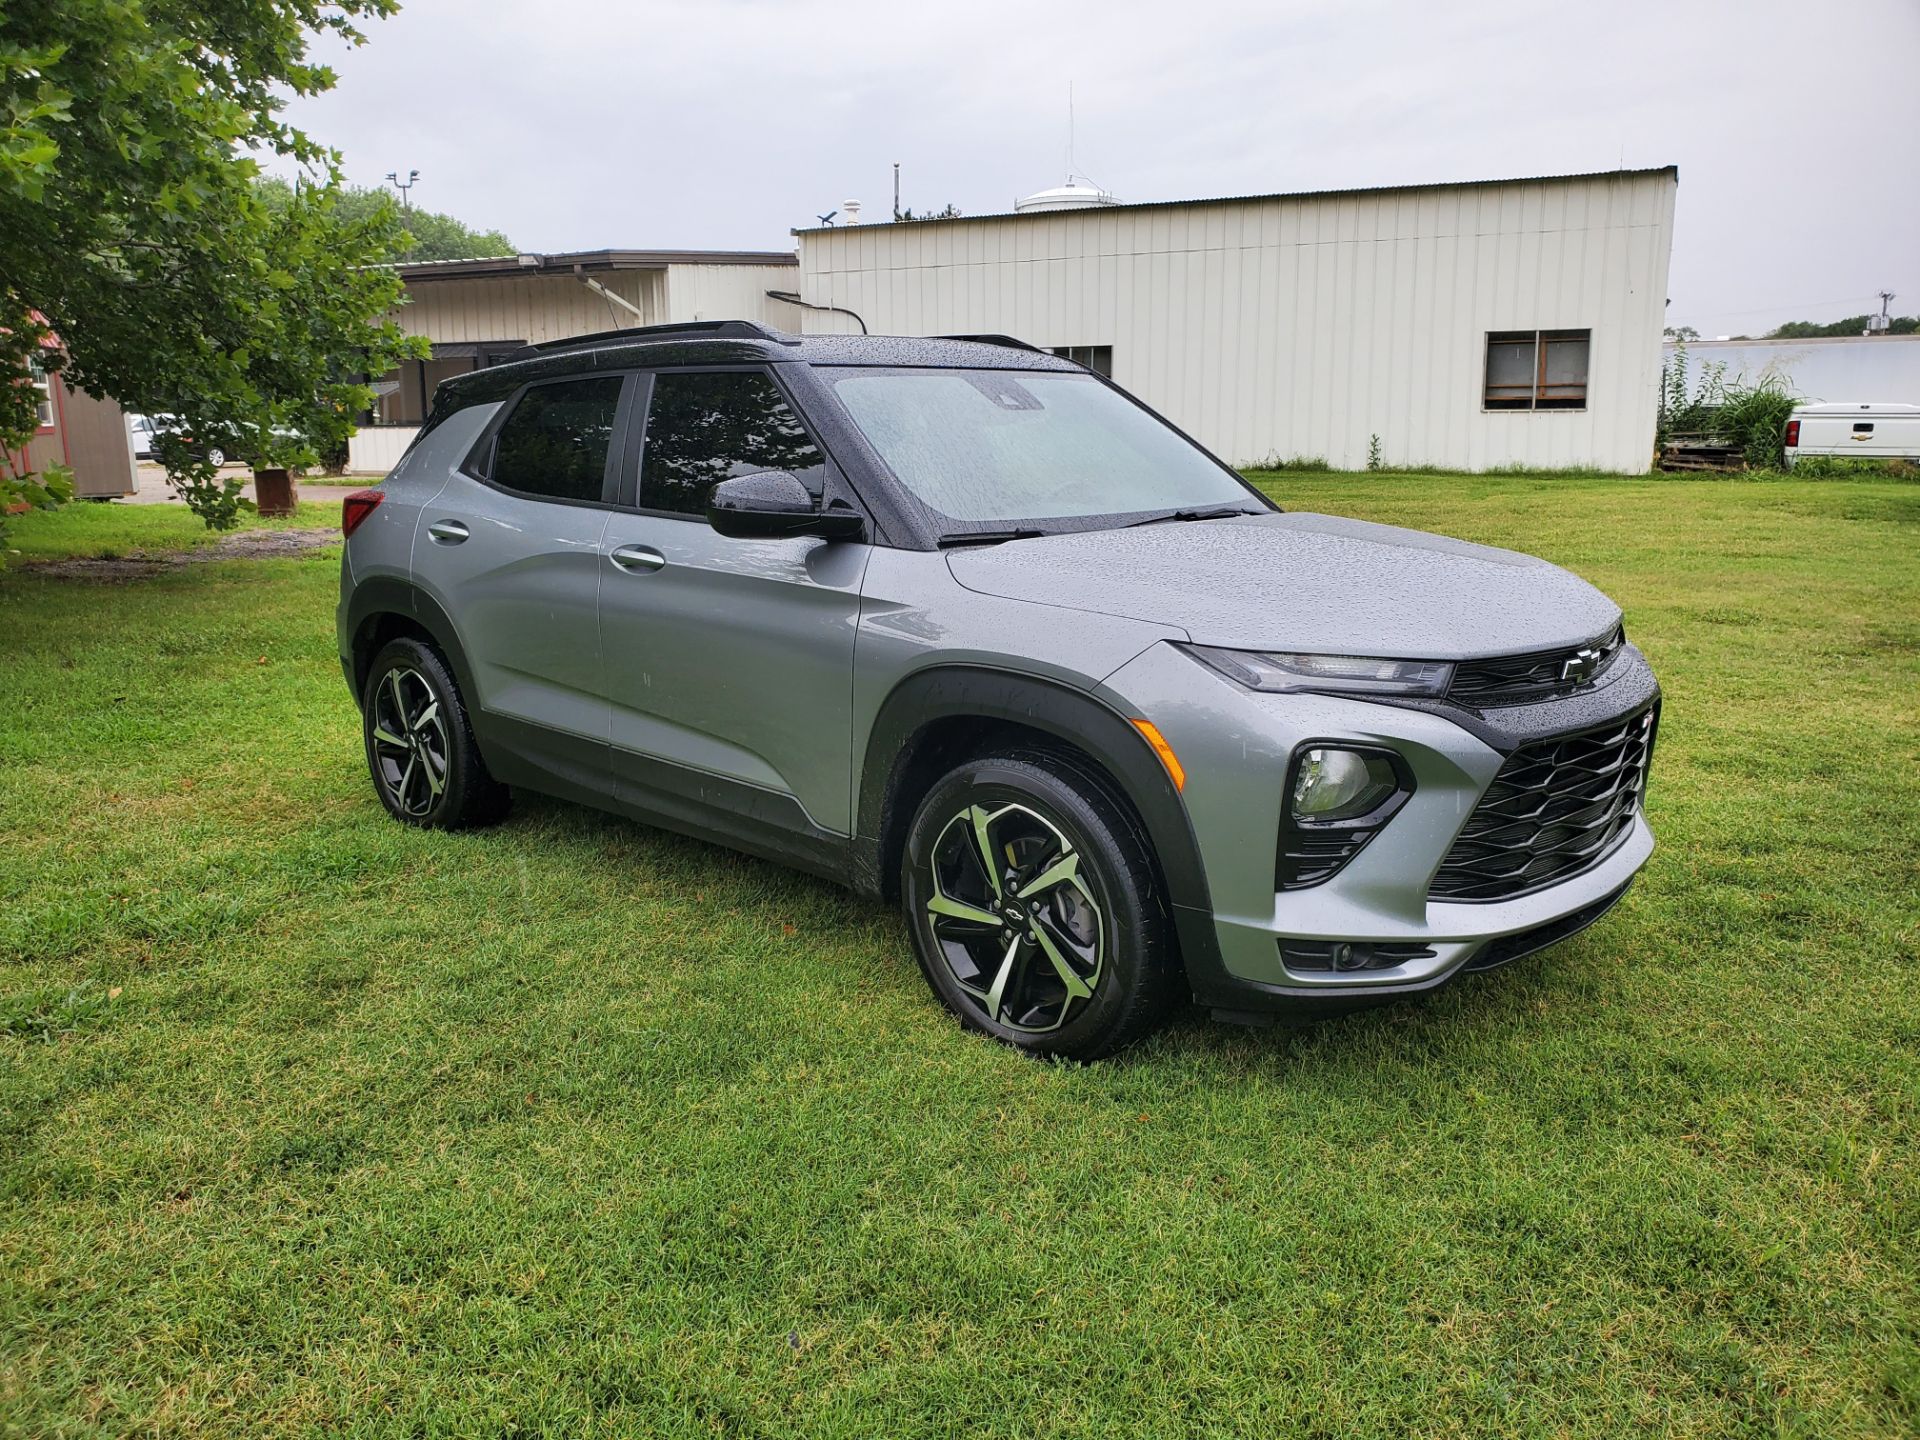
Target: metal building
[
  {"x": 1470, "y": 326},
  {"x": 1880, "y": 368},
  {"x": 478, "y": 312}
]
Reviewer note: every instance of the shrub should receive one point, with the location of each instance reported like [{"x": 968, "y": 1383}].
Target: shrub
[{"x": 1754, "y": 417}]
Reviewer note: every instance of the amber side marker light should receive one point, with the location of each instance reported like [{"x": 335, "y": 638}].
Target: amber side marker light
[{"x": 1175, "y": 770}]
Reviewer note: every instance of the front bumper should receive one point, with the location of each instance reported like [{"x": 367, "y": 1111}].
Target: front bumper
[{"x": 1236, "y": 747}]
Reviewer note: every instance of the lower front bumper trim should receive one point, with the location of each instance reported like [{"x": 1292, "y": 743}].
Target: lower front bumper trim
[{"x": 1508, "y": 948}]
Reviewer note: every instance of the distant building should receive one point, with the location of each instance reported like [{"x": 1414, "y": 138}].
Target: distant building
[
  {"x": 89, "y": 436},
  {"x": 1882, "y": 368},
  {"x": 1473, "y": 326},
  {"x": 478, "y": 312}
]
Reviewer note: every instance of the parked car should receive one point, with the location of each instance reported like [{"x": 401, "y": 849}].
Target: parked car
[
  {"x": 1854, "y": 431},
  {"x": 146, "y": 428},
  {"x": 959, "y": 623}
]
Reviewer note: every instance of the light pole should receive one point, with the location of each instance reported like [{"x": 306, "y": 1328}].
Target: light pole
[{"x": 403, "y": 186}]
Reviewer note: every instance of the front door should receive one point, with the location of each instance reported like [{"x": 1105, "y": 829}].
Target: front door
[{"x": 729, "y": 663}]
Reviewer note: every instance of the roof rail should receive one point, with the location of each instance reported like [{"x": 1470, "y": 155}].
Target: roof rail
[
  {"x": 1005, "y": 341},
  {"x": 689, "y": 329}
]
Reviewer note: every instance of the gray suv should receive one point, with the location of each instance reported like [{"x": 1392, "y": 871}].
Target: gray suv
[{"x": 960, "y": 624}]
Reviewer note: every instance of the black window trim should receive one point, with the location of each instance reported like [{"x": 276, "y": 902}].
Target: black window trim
[
  {"x": 627, "y": 492},
  {"x": 478, "y": 464}
]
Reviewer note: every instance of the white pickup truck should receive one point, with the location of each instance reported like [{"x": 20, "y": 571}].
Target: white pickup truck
[{"x": 1856, "y": 431}]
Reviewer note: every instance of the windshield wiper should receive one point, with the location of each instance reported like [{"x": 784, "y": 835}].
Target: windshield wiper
[
  {"x": 1217, "y": 513},
  {"x": 986, "y": 537}
]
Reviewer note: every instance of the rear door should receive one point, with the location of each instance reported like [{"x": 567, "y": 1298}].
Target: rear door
[
  {"x": 729, "y": 662},
  {"x": 511, "y": 549}
]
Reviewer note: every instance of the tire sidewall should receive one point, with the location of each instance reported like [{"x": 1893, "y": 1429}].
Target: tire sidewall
[{"x": 1126, "y": 912}]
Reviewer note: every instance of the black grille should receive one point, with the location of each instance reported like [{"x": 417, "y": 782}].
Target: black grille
[
  {"x": 1542, "y": 675},
  {"x": 1556, "y": 808}
]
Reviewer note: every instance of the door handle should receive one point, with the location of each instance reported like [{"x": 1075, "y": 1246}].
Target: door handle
[
  {"x": 638, "y": 559},
  {"x": 448, "y": 532}
]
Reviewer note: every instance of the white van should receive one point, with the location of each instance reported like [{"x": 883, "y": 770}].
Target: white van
[{"x": 1868, "y": 430}]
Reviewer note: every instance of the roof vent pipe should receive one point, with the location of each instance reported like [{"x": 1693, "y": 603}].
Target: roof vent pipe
[{"x": 850, "y": 209}]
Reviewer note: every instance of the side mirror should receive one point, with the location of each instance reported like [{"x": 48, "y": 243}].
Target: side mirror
[{"x": 774, "y": 505}]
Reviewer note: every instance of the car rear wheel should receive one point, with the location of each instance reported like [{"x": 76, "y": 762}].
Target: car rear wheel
[
  {"x": 216, "y": 457},
  {"x": 1034, "y": 908},
  {"x": 421, "y": 753}
]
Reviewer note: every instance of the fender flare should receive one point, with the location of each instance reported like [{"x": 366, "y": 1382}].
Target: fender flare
[
  {"x": 1070, "y": 715},
  {"x": 389, "y": 595}
]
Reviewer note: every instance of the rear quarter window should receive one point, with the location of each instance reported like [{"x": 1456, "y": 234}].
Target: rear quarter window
[{"x": 555, "y": 443}]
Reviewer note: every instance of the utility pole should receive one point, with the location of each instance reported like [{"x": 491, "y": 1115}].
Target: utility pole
[
  {"x": 403, "y": 186},
  {"x": 1881, "y": 323}
]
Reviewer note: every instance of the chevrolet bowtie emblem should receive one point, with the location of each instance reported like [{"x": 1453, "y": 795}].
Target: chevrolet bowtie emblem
[{"x": 1578, "y": 667}]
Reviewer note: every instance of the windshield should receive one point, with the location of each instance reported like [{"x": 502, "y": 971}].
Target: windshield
[{"x": 1015, "y": 447}]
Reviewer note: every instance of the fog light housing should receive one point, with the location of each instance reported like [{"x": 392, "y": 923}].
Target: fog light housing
[
  {"x": 1338, "y": 784},
  {"x": 1338, "y": 797}
]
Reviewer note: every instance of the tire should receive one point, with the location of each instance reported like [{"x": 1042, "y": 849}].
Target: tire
[
  {"x": 1093, "y": 968},
  {"x": 216, "y": 457},
  {"x": 416, "y": 731}
]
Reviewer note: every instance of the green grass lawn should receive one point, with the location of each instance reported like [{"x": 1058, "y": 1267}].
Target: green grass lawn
[{"x": 310, "y": 1121}]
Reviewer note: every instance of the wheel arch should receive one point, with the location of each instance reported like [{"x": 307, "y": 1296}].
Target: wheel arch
[
  {"x": 385, "y": 608},
  {"x": 936, "y": 718}
]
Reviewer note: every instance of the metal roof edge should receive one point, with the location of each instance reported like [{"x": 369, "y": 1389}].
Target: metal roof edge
[
  {"x": 563, "y": 262},
  {"x": 1673, "y": 170},
  {"x": 1789, "y": 340}
]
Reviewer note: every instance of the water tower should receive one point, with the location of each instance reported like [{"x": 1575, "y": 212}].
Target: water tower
[{"x": 1076, "y": 194}]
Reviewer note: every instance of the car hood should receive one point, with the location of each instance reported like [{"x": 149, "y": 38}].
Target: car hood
[{"x": 1302, "y": 582}]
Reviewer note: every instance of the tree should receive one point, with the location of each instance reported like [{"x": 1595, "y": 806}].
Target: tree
[
  {"x": 131, "y": 227},
  {"x": 1852, "y": 325},
  {"x": 425, "y": 234},
  {"x": 1682, "y": 333},
  {"x": 949, "y": 211}
]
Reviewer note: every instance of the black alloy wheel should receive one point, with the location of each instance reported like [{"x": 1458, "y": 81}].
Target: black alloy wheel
[
  {"x": 425, "y": 764},
  {"x": 1035, "y": 909}
]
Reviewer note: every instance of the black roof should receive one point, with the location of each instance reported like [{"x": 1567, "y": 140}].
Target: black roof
[{"x": 733, "y": 342}]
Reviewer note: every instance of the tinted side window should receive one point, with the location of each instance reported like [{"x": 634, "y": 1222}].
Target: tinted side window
[
  {"x": 705, "y": 428},
  {"x": 555, "y": 442}
]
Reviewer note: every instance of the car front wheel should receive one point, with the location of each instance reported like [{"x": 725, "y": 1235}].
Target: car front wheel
[{"x": 1032, "y": 900}]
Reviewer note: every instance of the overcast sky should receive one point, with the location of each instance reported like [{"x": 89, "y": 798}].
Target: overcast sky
[{"x": 722, "y": 124}]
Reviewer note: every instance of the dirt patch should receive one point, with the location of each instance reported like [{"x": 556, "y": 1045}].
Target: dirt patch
[{"x": 139, "y": 564}]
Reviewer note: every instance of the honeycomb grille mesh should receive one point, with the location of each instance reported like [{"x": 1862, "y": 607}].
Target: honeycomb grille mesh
[{"x": 1557, "y": 808}]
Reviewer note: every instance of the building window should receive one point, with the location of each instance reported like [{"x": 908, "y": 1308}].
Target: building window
[
  {"x": 1537, "y": 369},
  {"x": 555, "y": 443},
  {"x": 1097, "y": 358},
  {"x": 43, "y": 382}
]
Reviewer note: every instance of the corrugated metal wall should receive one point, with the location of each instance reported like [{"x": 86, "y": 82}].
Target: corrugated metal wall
[
  {"x": 1304, "y": 326},
  {"x": 532, "y": 308},
  {"x": 729, "y": 292}
]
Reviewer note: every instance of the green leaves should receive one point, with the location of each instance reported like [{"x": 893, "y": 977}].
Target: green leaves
[{"x": 130, "y": 221}]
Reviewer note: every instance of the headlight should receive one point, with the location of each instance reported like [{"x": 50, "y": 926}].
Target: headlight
[
  {"x": 1348, "y": 674},
  {"x": 1332, "y": 784}
]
